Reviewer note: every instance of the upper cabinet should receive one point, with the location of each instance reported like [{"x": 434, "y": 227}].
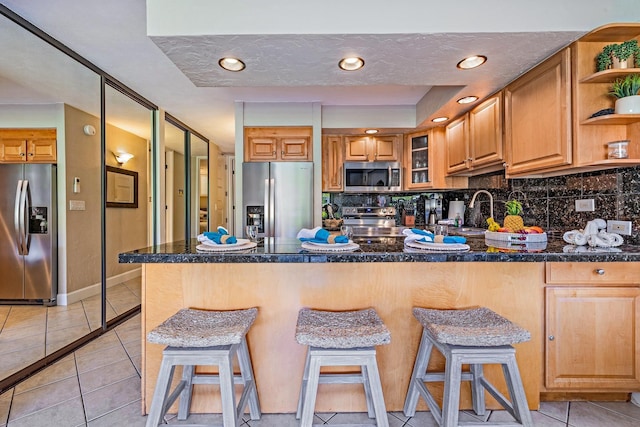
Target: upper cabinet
[
  {"x": 332, "y": 163},
  {"x": 550, "y": 127},
  {"x": 474, "y": 141},
  {"x": 424, "y": 154},
  {"x": 28, "y": 145},
  {"x": 267, "y": 144},
  {"x": 538, "y": 117},
  {"x": 372, "y": 148}
]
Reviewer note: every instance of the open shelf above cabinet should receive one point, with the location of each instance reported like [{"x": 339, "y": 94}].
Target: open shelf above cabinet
[
  {"x": 608, "y": 76},
  {"x": 613, "y": 119}
]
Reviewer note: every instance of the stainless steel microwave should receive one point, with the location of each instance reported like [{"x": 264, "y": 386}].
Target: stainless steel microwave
[{"x": 365, "y": 177}]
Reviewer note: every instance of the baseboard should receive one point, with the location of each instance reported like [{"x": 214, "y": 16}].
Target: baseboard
[{"x": 95, "y": 289}]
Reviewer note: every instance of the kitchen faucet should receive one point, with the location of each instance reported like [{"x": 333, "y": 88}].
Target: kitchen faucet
[{"x": 473, "y": 199}]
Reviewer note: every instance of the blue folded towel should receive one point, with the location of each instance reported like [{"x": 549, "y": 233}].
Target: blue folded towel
[
  {"x": 430, "y": 237},
  {"x": 221, "y": 237},
  {"x": 320, "y": 235}
]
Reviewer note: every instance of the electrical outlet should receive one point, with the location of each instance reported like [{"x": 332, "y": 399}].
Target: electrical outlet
[
  {"x": 585, "y": 205},
  {"x": 619, "y": 227}
]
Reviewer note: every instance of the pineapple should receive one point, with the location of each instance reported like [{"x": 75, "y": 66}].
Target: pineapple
[{"x": 513, "y": 221}]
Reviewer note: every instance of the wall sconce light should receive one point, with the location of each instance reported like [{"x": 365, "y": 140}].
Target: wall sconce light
[{"x": 122, "y": 158}]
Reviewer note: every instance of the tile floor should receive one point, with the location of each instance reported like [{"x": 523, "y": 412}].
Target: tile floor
[
  {"x": 30, "y": 332},
  {"x": 99, "y": 385}
]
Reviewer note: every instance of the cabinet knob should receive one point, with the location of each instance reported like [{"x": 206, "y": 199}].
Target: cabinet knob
[
  {"x": 505, "y": 165},
  {"x": 599, "y": 271},
  {"x": 551, "y": 338},
  {"x": 31, "y": 154},
  {"x": 21, "y": 154},
  {"x": 282, "y": 153}
]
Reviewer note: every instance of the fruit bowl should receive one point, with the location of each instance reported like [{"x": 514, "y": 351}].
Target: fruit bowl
[{"x": 515, "y": 237}]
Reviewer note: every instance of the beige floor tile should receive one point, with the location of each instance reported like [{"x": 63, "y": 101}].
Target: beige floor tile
[
  {"x": 359, "y": 418},
  {"x": 557, "y": 410},
  {"x": 625, "y": 408},
  {"x": 133, "y": 348},
  {"x": 105, "y": 375},
  {"x": 20, "y": 359},
  {"x": 69, "y": 413},
  {"x": 114, "y": 396},
  {"x": 5, "y": 404},
  {"x": 11, "y": 333},
  {"x": 62, "y": 337},
  {"x": 17, "y": 344},
  {"x": 586, "y": 414},
  {"x": 539, "y": 420},
  {"x": 65, "y": 368},
  {"x": 129, "y": 416},
  {"x": 66, "y": 319},
  {"x": 43, "y": 397},
  {"x": 422, "y": 419},
  {"x": 110, "y": 339},
  {"x": 91, "y": 361}
]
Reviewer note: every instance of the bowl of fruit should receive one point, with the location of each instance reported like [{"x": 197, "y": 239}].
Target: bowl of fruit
[{"x": 513, "y": 228}]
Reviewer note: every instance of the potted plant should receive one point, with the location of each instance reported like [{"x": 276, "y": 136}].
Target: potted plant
[
  {"x": 626, "y": 91},
  {"x": 623, "y": 55}
]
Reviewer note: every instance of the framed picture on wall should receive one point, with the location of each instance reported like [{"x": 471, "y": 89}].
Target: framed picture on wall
[{"x": 122, "y": 188}]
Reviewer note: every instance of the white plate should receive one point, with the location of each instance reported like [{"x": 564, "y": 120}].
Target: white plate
[
  {"x": 440, "y": 247},
  {"x": 330, "y": 245},
  {"x": 239, "y": 242},
  {"x": 340, "y": 247},
  {"x": 227, "y": 248}
]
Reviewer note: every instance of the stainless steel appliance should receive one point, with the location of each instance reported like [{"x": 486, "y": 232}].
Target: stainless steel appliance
[
  {"x": 362, "y": 177},
  {"x": 277, "y": 197},
  {"x": 28, "y": 239},
  {"x": 433, "y": 205},
  {"x": 371, "y": 220}
]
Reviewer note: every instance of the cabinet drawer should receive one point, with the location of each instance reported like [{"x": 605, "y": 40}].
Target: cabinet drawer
[{"x": 596, "y": 273}]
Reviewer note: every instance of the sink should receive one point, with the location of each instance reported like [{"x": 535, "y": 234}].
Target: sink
[{"x": 467, "y": 231}]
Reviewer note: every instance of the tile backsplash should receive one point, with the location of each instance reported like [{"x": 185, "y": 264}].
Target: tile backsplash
[{"x": 547, "y": 202}]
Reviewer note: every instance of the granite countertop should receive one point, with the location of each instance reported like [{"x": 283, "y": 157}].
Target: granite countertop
[{"x": 384, "y": 249}]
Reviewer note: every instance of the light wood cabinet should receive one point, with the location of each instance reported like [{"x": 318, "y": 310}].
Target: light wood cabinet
[
  {"x": 424, "y": 154},
  {"x": 369, "y": 148},
  {"x": 592, "y": 326},
  {"x": 277, "y": 144},
  {"x": 474, "y": 141},
  {"x": 332, "y": 163},
  {"x": 28, "y": 146},
  {"x": 538, "y": 117}
]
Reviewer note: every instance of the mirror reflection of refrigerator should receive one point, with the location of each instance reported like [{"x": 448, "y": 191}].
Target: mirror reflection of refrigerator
[
  {"x": 277, "y": 197},
  {"x": 28, "y": 239}
]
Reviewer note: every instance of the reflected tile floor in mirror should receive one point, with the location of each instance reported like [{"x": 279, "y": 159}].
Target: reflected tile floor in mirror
[
  {"x": 99, "y": 385},
  {"x": 30, "y": 332}
]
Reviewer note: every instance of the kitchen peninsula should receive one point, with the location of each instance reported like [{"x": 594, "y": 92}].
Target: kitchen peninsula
[{"x": 594, "y": 291}]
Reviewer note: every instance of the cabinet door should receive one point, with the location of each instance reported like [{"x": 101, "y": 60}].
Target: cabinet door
[
  {"x": 332, "y": 163},
  {"x": 538, "y": 117},
  {"x": 592, "y": 337},
  {"x": 13, "y": 150},
  {"x": 294, "y": 148},
  {"x": 457, "y": 134},
  {"x": 261, "y": 148},
  {"x": 385, "y": 148},
  {"x": 485, "y": 133},
  {"x": 356, "y": 149},
  {"x": 42, "y": 150},
  {"x": 418, "y": 161}
]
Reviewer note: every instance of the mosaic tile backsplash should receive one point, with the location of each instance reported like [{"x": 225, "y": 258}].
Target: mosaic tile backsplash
[{"x": 547, "y": 202}]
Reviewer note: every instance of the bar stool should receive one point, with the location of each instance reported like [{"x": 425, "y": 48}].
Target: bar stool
[
  {"x": 346, "y": 338},
  {"x": 474, "y": 336},
  {"x": 201, "y": 337}
]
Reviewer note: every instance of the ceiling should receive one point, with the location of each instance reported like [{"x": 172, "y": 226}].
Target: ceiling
[{"x": 167, "y": 51}]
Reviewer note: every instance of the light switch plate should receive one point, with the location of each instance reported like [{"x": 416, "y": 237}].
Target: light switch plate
[
  {"x": 585, "y": 205},
  {"x": 619, "y": 227},
  {"x": 76, "y": 205}
]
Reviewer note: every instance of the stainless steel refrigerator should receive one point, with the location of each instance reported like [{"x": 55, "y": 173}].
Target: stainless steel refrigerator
[
  {"x": 277, "y": 197},
  {"x": 28, "y": 239}
]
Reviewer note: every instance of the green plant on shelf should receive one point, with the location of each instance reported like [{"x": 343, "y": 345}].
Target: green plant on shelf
[
  {"x": 622, "y": 51},
  {"x": 627, "y": 86}
]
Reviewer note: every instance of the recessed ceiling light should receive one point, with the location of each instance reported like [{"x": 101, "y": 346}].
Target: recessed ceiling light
[
  {"x": 440, "y": 119},
  {"x": 371, "y": 131},
  {"x": 467, "y": 100},
  {"x": 472, "y": 62},
  {"x": 231, "y": 64},
  {"x": 351, "y": 63}
]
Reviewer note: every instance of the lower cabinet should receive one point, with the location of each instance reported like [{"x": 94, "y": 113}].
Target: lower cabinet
[{"x": 592, "y": 327}]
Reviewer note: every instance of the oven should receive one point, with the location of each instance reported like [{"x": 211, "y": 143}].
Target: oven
[{"x": 371, "y": 221}]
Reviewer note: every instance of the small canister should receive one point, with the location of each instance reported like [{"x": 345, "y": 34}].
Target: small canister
[{"x": 618, "y": 149}]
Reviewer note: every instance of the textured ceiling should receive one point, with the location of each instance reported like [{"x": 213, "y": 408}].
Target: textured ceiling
[{"x": 410, "y": 57}]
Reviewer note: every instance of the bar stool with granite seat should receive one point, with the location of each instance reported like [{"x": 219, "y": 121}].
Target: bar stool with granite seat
[
  {"x": 474, "y": 336},
  {"x": 346, "y": 338},
  {"x": 198, "y": 338}
]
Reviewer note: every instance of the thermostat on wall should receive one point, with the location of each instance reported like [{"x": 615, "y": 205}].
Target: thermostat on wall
[{"x": 89, "y": 130}]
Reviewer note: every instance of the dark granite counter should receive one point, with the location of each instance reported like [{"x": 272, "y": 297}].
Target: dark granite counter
[{"x": 385, "y": 249}]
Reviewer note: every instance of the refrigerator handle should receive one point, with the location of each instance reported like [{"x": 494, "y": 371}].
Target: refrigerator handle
[
  {"x": 25, "y": 202},
  {"x": 16, "y": 217},
  {"x": 265, "y": 221},
  {"x": 272, "y": 208}
]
